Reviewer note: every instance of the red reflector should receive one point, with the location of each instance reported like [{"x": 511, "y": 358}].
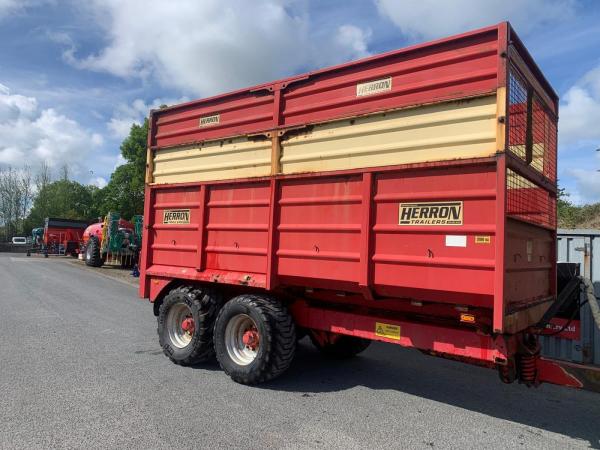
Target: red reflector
[{"x": 468, "y": 318}]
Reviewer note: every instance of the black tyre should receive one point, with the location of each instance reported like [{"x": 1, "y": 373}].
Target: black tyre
[
  {"x": 255, "y": 339},
  {"x": 93, "y": 258},
  {"x": 185, "y": 324},
  {"x": 340, "y": 346}
]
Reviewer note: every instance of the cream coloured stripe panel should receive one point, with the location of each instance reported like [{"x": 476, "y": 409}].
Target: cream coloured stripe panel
[
  {"x": 445, "y": 131},
  {"x": 463, "y": 129},
  {"x": 217, "y": 160}
]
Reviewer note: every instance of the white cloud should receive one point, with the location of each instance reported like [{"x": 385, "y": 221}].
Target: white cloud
[
  {"x": 213, "y": 45},
  {"x": 579, "y": 136},
  {"x": 580, "y": 112},
  {"x": 587, "y": 184},
  {"x": 30, "y": 135},
  {"x": 434, "y": 18},
  {"x": 9, "y": 6},
  {"x": 119, "y": 161},
  {"x": 98, "y": 182},
  {"x": 14, "y": 106},
  {"x": 125, "y": 115},
  {"x": 353, "y": 41}
]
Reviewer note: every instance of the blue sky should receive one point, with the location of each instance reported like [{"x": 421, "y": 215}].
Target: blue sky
[{"x": 75, "y": 75}]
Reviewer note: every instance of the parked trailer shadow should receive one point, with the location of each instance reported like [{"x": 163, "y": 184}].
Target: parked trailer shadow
[{"x": 386, "y": 367}]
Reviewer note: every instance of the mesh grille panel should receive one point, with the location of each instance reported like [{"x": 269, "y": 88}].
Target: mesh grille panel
[
  {"x": 517, "y": 114},
  {"x": 531, "y": 127},
  {"x": 544, "y": 141},
  {"x": 529, "y": 202}
]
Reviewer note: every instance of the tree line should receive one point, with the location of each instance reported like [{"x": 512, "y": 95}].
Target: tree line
[
  {"x": 576, "y": 216},
  {"x": 28, "y": 195}
]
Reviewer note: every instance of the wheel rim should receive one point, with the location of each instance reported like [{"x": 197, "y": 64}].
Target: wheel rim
[
  {"x": 180, "y": 325},
  {"x": 242, "y": 339}
]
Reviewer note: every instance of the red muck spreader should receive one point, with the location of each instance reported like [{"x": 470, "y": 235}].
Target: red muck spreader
[
  {"x": 60, "y": 237},
  {"x": 408, "y": 198}
]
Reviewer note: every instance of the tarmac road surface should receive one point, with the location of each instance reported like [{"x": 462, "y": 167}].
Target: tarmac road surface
[{"x": 80, "y": 367}]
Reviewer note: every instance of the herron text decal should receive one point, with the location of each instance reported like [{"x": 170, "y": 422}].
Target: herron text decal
[
  {"x": 207, "y": 121},
  {"x": 374, "y": 87},
  {"x": 431, "y": 213},
  {"x": 176, "y": 216}
]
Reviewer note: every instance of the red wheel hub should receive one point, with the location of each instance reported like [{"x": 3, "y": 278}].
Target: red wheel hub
[
  {"x": 251, "y": 338},
  {"x": 188, "y": 325}
]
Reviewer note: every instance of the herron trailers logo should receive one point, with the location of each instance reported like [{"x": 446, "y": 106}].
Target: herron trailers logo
[
  {"x": 374, "y": 87},
  {"x": 176, "y": 216},
  {"x": 207, "y": 121},
  {"x": 431, "y": 213}
]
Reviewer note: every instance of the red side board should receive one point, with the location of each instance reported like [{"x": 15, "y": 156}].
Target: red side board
[
  {"x": 340, "y": 231},
  {"x": 458, "y": 67}
]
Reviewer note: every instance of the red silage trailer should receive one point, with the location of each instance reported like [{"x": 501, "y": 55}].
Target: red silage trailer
[{"x": 409, "y": 198}]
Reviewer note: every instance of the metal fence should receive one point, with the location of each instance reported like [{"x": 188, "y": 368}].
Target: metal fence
[{"x": 583, "y": 346}]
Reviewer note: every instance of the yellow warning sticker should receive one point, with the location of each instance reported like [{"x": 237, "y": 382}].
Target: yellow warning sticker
[
  {"x": 387, "y": 330},
  {"x": 483, "y": 239}
]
